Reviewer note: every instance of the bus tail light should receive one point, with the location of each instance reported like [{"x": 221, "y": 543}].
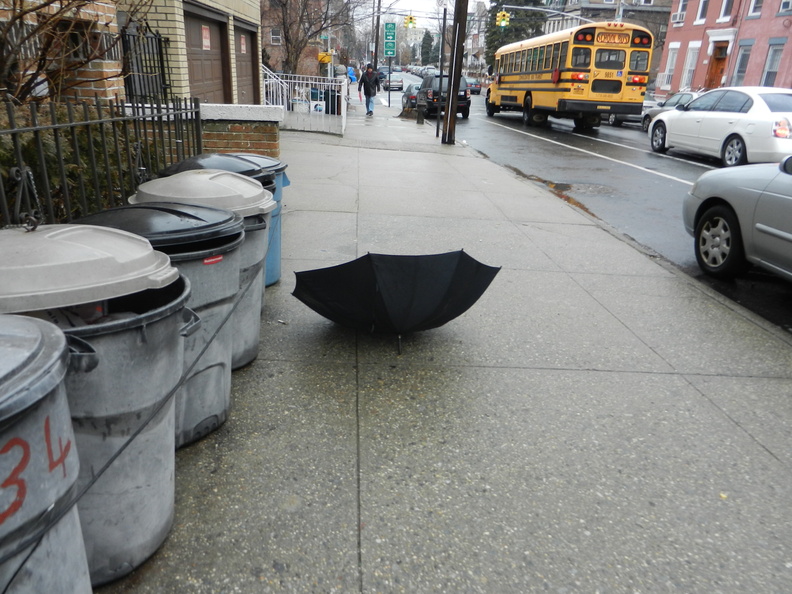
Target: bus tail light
[
  {"x": 781, "y": 128},
  {"x": 580, "y": 76},
  {"x": 636, "y": 80}
]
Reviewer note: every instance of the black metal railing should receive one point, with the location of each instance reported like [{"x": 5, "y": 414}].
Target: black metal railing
[
  {"x": 59, "y": 162},
  {"x": 146, "y": 64}
]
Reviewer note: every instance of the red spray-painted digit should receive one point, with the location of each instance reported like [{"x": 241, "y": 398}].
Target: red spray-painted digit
[
  {"x": 13, "y": 479},
  {"x": 53, "y": 463}
]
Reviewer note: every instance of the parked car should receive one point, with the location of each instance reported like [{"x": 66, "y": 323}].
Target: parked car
[
  {"x": 394, "y": 82},
  {"x": 681, "y": 98},
  {"x": 740, "y": 215},
  {"x": 410, "y": 95},
  {"x": 432, "y": 99},
  {"x": 617, "y": 119},
  {"x": 474, "y": 85},
  {"x": 736, "y": 124}
]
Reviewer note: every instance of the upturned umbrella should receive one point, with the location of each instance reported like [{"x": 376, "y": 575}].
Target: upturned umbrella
[{"x": 395, "y": 294}]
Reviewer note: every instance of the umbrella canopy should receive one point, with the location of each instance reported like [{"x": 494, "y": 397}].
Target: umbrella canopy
[{"x": 395, "y": 294}]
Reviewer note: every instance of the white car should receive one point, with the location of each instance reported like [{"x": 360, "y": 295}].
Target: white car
[
  {"x": 740, "y": 215},
  {"x": 738, "y": 125}
]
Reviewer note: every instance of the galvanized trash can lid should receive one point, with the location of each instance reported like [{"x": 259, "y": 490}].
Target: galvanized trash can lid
[
  {"x": 222, "y": 161},
  {"x": 62, "y": 265},
  {"x": 208, "y": 187},
  {"x": 170, "y": 226},
  {"x": 33, "y": 360}
]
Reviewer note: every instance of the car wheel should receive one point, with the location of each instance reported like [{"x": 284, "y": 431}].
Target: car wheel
[
  {"x": 614, "y": 121},
  {"x": 645, "y": 123},
  {"x": 658, "y": 138},
  {"x": 465, "y": 112},
  {"x": 733, "y": 152},
  {"x": 719, "y": 246}
]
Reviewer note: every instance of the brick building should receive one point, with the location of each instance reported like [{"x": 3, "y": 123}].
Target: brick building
[{"x": 713, "y": 43}]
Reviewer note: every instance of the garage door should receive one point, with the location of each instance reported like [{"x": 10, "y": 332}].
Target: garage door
[
  {"x": 245, "y": 43},
  {"x": 205, "y": 59}
]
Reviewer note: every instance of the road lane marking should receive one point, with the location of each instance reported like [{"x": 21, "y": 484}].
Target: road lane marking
[{"x": 592, "y": 153}]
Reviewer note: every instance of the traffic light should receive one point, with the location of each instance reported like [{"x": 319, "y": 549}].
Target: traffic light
[
  {"x": 409, "y": 22},
  {"x": 413, "y": 22},
  {"x": 406, "y": 22},
  {"x": 502, "y": 19}
]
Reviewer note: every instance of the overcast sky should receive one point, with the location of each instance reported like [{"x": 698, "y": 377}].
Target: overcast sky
[{"x": 421, "y": 9}]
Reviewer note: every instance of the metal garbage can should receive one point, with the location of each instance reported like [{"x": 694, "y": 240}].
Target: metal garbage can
[
  {"x": 42, "y": 544},
  {"x": 272, "y": 267},
  {"x": 244, "y": 196},
  {"x": 110, "y": 289},
  {"x": 203, "y": 243}
]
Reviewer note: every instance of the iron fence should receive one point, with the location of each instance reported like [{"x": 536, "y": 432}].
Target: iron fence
[{"x": 59, "y": 162}]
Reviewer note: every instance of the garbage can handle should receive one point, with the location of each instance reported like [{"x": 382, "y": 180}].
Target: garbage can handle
[
  {"x": 192, "y": 321},
  {"x": 82, "y": 355}
]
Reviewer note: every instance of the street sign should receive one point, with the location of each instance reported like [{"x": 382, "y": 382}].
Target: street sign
[{"x": 390, "y": 40}]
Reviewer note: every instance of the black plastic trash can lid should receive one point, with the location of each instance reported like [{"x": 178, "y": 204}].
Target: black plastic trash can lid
[
  {"x": 223, "y": 161},
  {"x": 263, "y": 162},
  {"x": 169, "y": 225}
]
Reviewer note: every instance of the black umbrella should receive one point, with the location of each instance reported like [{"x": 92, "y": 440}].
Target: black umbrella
[{"x": 395, "y": 294}]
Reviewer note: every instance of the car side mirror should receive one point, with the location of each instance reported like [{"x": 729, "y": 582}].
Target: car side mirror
[
  {"x": 680, "y": 107},
  {"x": 489, "y": 70},
  {"x": 660, "y": 103},
  {"x": 786, "y": 165}
]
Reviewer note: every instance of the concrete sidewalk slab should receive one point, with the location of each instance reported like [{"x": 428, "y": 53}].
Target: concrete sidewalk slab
[{"x": 597, "y": 422}]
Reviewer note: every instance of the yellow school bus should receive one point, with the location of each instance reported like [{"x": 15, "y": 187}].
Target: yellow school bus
[{"x": 582, "y": 73}]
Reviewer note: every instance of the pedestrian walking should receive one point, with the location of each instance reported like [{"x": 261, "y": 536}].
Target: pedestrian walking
[{"x": 370, "y": 84}]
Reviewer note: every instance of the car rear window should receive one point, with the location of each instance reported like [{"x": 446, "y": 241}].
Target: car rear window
[
  {"x": 778, "y": 101},
  {"x": 462, "y": 83}
]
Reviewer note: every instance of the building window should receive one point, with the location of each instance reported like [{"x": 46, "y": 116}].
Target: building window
[
  {"x": 742, "y": 65},
  {"x": 275, "y": 36},
  {"x": 682, "y": 5},
  {"x": 756, "y": 7},
  {"x": 702, "y": 13},
  {"x": 664, "y": 79},
  {"x": 771, "y": 66},
  {"x": 726, "y": 9},
  {"x": 689, "y": 68}
]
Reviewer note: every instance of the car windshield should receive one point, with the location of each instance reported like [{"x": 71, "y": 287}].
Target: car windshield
[{"x": 778, "y": 101}]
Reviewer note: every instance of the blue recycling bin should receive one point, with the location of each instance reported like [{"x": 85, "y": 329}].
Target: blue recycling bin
[{"x": 272, "y": 271}]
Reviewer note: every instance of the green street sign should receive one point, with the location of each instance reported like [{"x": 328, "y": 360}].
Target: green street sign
[
  {"x": 390, "y": 48},
  {"x": 390, "y": 31}
]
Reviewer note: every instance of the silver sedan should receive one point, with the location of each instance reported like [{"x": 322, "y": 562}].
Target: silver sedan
[{"x": 741, "y": 215}]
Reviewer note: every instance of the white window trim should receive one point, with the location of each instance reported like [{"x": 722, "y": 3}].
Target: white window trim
[
  {"x": 699, "y": 20},
  {"x": 752, "y": 8}
]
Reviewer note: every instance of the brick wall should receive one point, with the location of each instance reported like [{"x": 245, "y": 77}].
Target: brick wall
[
  {"x": 243, "y": 137},
  {"x": 241, "y": 128}
]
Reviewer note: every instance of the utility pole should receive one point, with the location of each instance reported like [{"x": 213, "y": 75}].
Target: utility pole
[
  {"x": 376, "y": 36},
  {"x": 455, "y": 72}
]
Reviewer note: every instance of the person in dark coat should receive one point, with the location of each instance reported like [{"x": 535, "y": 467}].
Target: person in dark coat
[{"x": 370, "y": 84}]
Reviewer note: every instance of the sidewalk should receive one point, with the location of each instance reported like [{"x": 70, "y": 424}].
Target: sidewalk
[{"x": 597, "y": 422}]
